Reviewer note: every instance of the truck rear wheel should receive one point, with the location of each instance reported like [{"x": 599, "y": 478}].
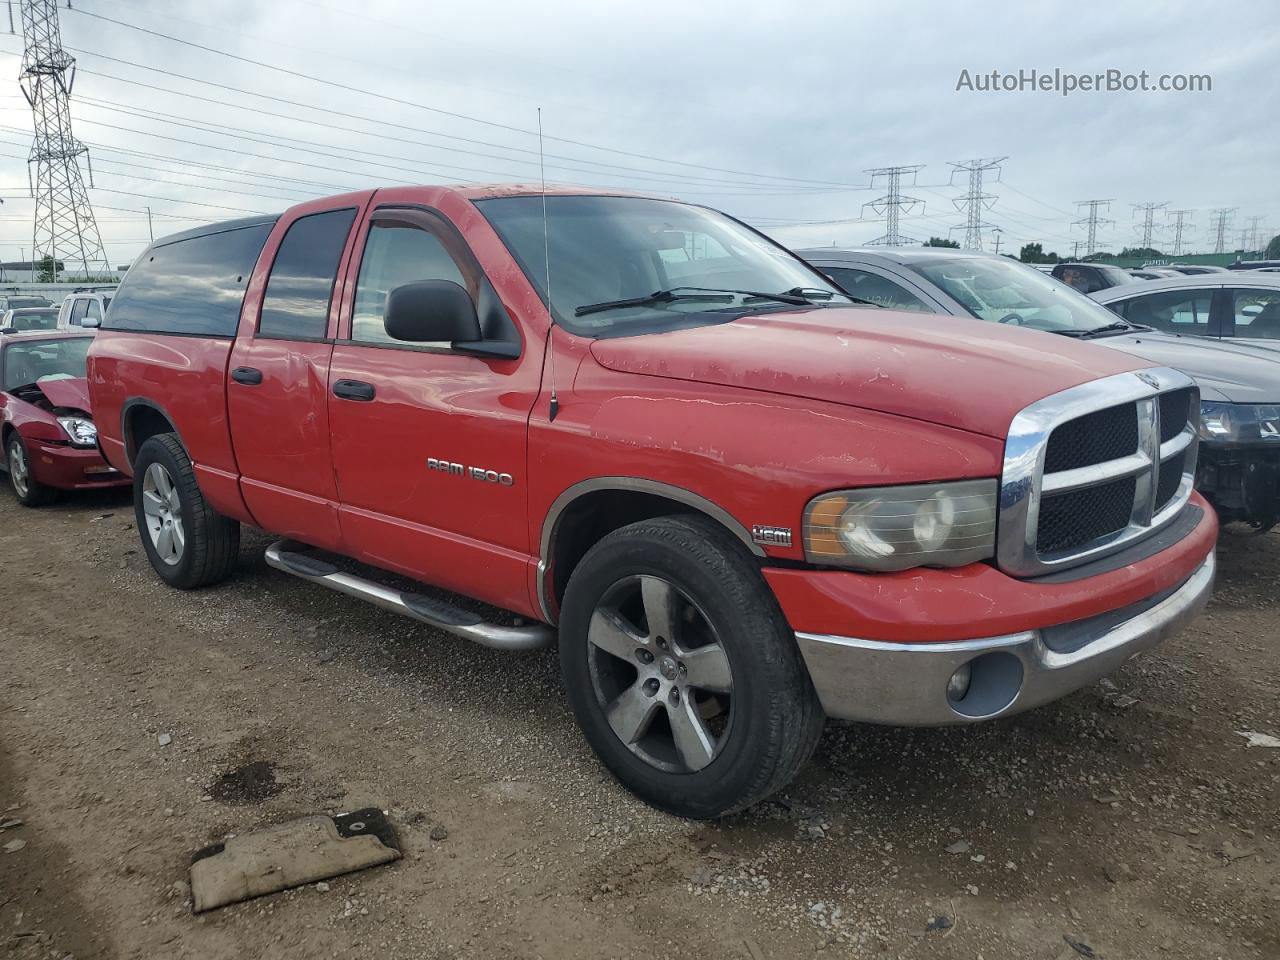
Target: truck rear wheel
[
  {"x": 188, "y": 544},
  {"x": 682, "y": 671}
]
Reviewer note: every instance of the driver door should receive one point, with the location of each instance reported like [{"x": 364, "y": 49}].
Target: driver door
[{"x": 429, "y": 444}]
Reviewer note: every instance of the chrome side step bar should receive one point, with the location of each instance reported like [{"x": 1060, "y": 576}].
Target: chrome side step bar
[{"x": 292, "y": 558}]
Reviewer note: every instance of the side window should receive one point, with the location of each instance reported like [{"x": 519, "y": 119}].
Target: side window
[
  {"x": 193, "y": 286},
  {"x": 1257, "y": 313},
  {"x": 296, "y": 302},
  {"x": 79, "y": 306},
  {"x": 397, "y": 252},
  {"x": 870, "y": 286},
  {"x": 93, "y": 311},
  {"x": 1177, "y": 311}
]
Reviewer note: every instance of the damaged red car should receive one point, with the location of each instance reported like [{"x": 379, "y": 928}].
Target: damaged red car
[{"x": 49, "y": 438}]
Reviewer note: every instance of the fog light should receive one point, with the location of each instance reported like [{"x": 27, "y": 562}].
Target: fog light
[{"x": 958, "y": 685}]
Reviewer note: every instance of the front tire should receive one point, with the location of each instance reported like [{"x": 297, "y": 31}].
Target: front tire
[
  {"x": 29, "y": 491},
  {"x": 188, "y": 543},
  {"x": 682, "y": 671}
]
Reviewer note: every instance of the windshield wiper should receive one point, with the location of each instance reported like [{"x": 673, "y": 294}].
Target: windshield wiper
[
  {"x": 658, "y": 296},
  {"x": 1120, "y": 326},
  {"x": 706, "y": 294}
]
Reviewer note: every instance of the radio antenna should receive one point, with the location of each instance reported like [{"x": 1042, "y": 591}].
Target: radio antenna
[{"x": 546, "y": 254}]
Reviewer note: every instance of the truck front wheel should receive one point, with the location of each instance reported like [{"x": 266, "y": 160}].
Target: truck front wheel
[
  {"x": 188, "y": 544},
  {"x": 682, "y": 671}
]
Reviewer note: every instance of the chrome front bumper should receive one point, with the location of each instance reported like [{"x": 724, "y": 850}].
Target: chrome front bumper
[{"x": 906, "y": 684}]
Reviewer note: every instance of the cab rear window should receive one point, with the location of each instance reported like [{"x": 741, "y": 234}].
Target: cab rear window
[{"x": 190, "y": 286}]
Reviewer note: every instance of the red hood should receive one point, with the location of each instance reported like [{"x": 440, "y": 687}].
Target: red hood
[
  {"x": 72, "y": 393},
  {"x": 962, "y": 373}
]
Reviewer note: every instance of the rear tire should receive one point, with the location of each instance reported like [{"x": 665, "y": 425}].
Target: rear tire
[
  {"x": 29, "y": 491},
  {"x": 682, "y": 671},
  {"x": 188, "y": 543}
]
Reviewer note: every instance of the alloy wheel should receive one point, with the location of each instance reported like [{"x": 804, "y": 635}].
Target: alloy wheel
[
  {"x": 19, "y": 473},
  {"x": 162, "y": 508},
  {"x": 660, "y": 674}
]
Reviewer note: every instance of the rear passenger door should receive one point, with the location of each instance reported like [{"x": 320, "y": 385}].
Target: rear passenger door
[
  {"x": 1185, "y": 310},
  {"x": 277, "y": 384},
  {"x": 429, "y": 443},
  {"x": 1255, "y": 313}
]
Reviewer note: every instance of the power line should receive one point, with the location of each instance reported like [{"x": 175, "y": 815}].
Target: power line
[
  {"x": 893, "y": 202},
  {"x": 437, "y": 110},
  {"x": 1092, "y": 221},
  {"x": 64, "y": 228},
  {"x": 1147, "y": 228},
  {"x": 239, "y": 132},
  {"x": 975, "y": 201},
  {"x": 656, "y": 175}
]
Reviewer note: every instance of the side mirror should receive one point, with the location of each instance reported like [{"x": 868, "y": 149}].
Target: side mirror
[
  {"x": 91, "y": 322},
  {"x": 431, "y": 311}
]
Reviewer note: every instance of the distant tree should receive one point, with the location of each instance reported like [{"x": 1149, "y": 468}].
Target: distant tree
[
  {"x": 48, "y": 270},
  {"x": 1273, "y": 248},
  {"x": 1141, "y": 253},
  {"x": 1034, "y": 253},
  {"x": 940, "y": 242}
]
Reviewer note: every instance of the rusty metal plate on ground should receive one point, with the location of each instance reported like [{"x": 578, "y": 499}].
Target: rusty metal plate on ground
[{"x": 289, "y": 855}]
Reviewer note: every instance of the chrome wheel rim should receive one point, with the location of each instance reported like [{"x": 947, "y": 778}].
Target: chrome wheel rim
[
  {"x": 660, "y": 674},
  {"x": 162, "y": 509},
  {"x": 19, "y": 473}
]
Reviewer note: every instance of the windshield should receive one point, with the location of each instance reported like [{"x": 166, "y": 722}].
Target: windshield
[
  {"x": 36, "y": 360},
  {"x": 18, "y": 302},
  {"x": 33, "y": 320},
  {"x": 1005, "y": 291},
  {"x": 606, "y": 249}
]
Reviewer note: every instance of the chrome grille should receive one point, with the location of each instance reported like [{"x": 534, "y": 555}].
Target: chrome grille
[
  {"x": 1095, "y": 468},
  {"x": 1094, "y": 438}
]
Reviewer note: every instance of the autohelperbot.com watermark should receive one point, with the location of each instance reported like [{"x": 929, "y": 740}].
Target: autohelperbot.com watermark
[{"x": 1065, "y": 83}]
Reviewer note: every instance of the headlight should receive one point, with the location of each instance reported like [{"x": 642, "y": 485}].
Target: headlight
[
  {"x": 1239, "y": 421},
  {"x": 895, "y": 528},
  {"x": 81, "y": 430}
]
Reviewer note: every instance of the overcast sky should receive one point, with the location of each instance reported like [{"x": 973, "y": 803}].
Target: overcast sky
[{"x": 756, "y": 108}]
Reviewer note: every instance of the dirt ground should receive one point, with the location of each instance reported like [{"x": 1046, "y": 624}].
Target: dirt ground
[{"x": 1131, "y": 820}]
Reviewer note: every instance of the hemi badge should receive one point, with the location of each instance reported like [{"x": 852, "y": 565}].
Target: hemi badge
[{"x": 771, "y": 536}]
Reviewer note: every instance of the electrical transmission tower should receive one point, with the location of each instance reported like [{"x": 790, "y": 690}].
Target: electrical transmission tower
[
  {"x": 1147, "y": 227},
  {"x": 1181, "y": 218},
  {"x": 65, "y": 229},
  {"x": 893, "y": 202},
  {"x": 975, "y": 201},
  {"x": 1221, "y": 224},
  {"x": 1254, "y": 230},
  {"x": 1092, "y": 221}
]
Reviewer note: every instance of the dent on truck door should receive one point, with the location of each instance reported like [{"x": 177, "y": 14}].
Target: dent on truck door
[
  {"x": 429, "y": 444},
  {"x": 277, "y": 384}
]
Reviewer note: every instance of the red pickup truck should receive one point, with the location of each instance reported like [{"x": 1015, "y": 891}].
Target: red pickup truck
[{"x": 742, "y": 501}]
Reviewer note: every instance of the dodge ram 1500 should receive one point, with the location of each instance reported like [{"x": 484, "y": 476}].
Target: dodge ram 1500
[{"x": 740, "y": 500}]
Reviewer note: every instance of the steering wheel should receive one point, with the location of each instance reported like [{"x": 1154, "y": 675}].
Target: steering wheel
[{"x": 1014, "y": 318}]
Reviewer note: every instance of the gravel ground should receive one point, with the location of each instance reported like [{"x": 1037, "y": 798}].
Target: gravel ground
[{"x": 1130, "y": 820}]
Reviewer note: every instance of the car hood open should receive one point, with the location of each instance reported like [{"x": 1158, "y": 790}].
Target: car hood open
[
  {"x": 1226, "y": 370},
  {"x": 963, "y": 373},
  {"x": 71, "y": 393}
]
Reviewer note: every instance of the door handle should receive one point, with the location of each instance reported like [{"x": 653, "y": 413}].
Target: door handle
[
  {"x": 353, "y": 390},
  {"x": 250, "y": 376}
]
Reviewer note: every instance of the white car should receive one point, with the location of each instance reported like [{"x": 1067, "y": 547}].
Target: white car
[
  {"x": 81, "y": 310},
  {"x": 29, "y": 318}
]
